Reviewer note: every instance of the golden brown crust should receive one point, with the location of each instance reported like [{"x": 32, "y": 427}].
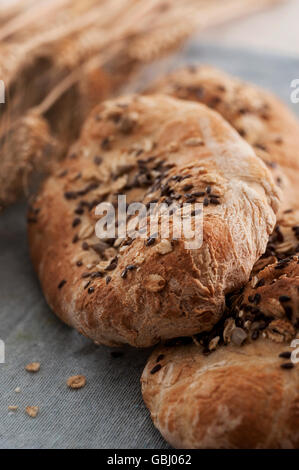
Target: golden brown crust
[
  {"x": 150, "y": 148},
  {"x": 237, "y": 397},
  {"x": 235, "y": 386},
  {"x": 264, "y": 122}
]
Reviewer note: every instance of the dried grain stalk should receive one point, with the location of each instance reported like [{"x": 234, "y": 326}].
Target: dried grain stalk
[
  {"x": 27, "y": 148},
  {"x": 78, "y": 53}
]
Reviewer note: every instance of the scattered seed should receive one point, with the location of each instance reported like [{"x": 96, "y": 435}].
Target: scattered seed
[
  {"x": 61, "y": 284},
  {"x": 160, "y": 357},
  {"x": 79, "y": 210},
  {"x": 105, "y": 144},
  {"x": 76, "y": 222},
  {"x": 187, "y": 187},
  {"x": 112, "y": 265},
  {"x": 70, "y": 195},
  {"x": 32, "y": 411},
  {"x": 33, "y": 367},
  {"x": 96, "y": 274},
  {"x": 97, "y": 160},
  {"x": 284, "y": 298},
  {"x": 287, "y": 365},
  {"x": 285, "y": 354},
  {"x": 150, "y": 241},
  {"x": 255, "y": 335},
  {"x": 257, "y": 298},
  {"x": 214, "y": 201},
  {"x": 156, "y": 368},
  {"x": 76, "y": 381}
]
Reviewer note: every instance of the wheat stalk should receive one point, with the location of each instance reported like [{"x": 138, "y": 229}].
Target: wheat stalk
[{"x": 64, "y": 55}]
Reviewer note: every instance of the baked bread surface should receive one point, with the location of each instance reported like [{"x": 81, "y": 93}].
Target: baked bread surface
[
  {"x": 238, "y": 397},
  {"x": 138, "y": 292},
  {"x": 236, "y": 386},
  {"x": 259, "y": 117}
]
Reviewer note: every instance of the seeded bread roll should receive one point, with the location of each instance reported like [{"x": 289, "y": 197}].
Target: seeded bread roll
[
  {"x": 140, "y": 291},
  {"x": 236, "y": 386},
  {"x": 237, "y": 397},
  {"x": 264, "y": 122}
]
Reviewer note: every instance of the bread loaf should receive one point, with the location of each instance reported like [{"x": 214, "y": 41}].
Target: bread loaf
[{"x": 139, "y": 291}]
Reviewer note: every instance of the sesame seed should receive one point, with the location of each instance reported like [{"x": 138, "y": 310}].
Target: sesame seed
[
  {"x": 255, "y": 335},
  {"x": 97, "y": 160},
  {"x": 96, "y": 274},
  {"x": 287, "y": 365},
  {"x": 70, "y": 195},
  {"x": 61, "y": 284},
  {"x": 79, "y": 210},
  {"x": 124, "y": 273},
  {"x": 90, "y": 290},
  {"x": 284, "y": 298},
  {"x": 214, "y": 201},
  {"x": 85, "y": 275},
  {"x": 261, "y": 147},
  {"x": 130, "y": 267},
  {"x": 156, "y": 368},
  {"x": 116, "y": 354},
  {"x": 160, "y": 357},
  {"x": 285, "y": 354},
  {"x": 105, "y": 144},
  {"x": 112, "y": 265},
  {"x": 76, "y": 222}
]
